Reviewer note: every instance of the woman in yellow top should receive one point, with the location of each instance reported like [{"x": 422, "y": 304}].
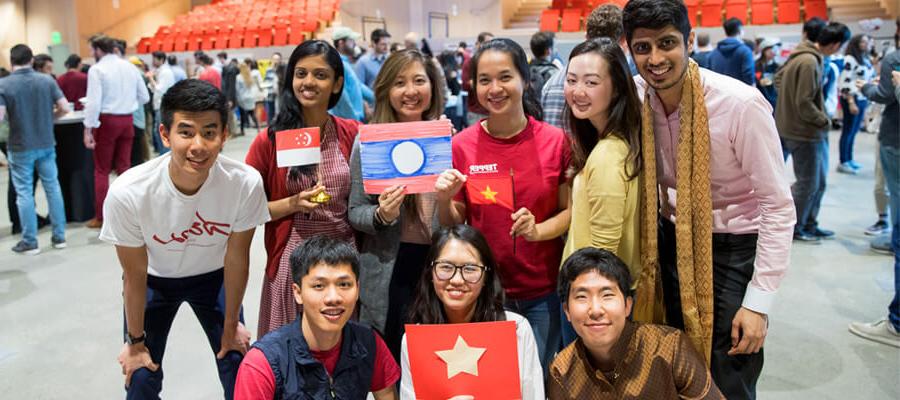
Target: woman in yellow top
[{"x": 604, "y": 119}]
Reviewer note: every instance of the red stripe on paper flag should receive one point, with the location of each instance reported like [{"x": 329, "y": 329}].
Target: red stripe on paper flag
[{"x": 297, "y": 147}]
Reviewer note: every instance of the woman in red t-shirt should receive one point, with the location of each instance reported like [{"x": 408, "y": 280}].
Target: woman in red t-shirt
[
  {"x": 508, "y": 180},
  {"x": 312, "y": 85}
]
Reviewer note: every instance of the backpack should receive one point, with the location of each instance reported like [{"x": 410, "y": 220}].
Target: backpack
[{"x": 541, "y": 71}]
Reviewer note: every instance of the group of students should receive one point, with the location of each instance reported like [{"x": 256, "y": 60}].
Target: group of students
[{"x": 182, "y": 225}]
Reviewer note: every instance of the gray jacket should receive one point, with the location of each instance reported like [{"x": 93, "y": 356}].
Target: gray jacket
[
  {"x": 889, "y": 133},
  {"x": 378, "y": 247}
]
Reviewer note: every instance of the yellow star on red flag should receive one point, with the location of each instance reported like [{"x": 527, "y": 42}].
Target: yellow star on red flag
[{"x": 489, "y": 194}]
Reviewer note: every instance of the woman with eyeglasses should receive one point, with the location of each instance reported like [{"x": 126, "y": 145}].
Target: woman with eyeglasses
[{"x": 460, "y": 285}]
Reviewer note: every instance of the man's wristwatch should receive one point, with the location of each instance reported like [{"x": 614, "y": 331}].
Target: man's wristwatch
[{"x": 133, "y": 340}]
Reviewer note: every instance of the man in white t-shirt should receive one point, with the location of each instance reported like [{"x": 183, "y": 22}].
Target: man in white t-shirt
[{"x": 182, "y": 224}]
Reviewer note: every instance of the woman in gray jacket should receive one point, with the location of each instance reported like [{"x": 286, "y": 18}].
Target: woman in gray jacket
[{"x": 395, "y": 228}]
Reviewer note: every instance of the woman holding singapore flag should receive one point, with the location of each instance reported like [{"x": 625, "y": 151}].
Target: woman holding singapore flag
[{"x": 306, "y": 176}]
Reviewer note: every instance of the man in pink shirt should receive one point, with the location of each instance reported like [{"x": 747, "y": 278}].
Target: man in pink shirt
[
  {"x": 209, "y": 74},
  {"x": 752, "y": 210}
]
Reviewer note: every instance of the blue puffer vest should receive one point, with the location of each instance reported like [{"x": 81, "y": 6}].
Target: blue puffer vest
[{"x": 300, "y": 376}]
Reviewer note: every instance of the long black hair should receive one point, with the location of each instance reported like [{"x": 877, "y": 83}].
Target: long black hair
[
  {"x": 624, "y": 120},
  {"x": 854, "y": 50},
  {"x": 428, "y": 308},
  {"x": 290, "y": 111},
  {"x": 529, "y": 99}
]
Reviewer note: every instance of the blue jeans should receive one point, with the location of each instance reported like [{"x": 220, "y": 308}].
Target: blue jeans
[
  {"x": 543, "y": 315},
  {"x": 270, "y": 111},
  {"x": 850, "y": 127},
  {"x": 890, "y": 164},
  {"x": 158, "y": 145},
  {"x": 811, "y": 169},
  {"x": 206, "y": 295},
  {"x": 22, "y": 165}
]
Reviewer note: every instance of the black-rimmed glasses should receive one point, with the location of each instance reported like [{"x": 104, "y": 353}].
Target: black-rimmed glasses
[{"x": 445, "y": 271}]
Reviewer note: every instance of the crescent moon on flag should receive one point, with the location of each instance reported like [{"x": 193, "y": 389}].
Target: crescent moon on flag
[{"x": 306, "y": 139}]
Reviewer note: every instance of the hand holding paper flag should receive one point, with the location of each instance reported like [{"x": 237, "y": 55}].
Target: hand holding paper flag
[{"x": 297, "y": 147}]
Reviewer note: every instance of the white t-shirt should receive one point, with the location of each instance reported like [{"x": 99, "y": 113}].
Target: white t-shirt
[
  {"x": 185, "y": 235},
  {"x": 531, "y": 375}
]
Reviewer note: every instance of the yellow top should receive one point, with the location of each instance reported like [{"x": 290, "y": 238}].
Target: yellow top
[{"x": 605, "y": 206}]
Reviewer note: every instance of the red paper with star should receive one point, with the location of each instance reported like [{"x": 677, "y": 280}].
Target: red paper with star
[
  {"x": 490, "y": 190},
  {"x": 461, "y": 351}
]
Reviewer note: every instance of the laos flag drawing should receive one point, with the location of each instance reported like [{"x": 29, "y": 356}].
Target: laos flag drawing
[{"x": 411, "y": 154}]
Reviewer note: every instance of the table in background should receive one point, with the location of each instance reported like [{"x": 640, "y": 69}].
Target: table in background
[{"x": 76, "y": 167}]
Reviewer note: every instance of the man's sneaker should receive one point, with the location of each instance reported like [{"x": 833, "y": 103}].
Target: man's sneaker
[
  {"x": 94, "y": 223},
  {"x": 882, "y": 245},
  {"x": 805, "y": 237},
  {"x": 823, "y": 233},
  {"x": 25, "y": 248},
  {"x": 880, "y": 331},
  {"x": 855, "y": 165},
  {"x": 58, "y": 243},
  {"x": 846, "y": 168},
  {"x": 878, "y": 228}
]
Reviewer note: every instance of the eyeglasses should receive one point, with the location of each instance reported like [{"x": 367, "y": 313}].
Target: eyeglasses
[{"x": 470, "y": 273}]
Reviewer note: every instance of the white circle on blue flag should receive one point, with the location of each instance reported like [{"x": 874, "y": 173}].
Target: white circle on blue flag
[{"x": 407, "y": 157}]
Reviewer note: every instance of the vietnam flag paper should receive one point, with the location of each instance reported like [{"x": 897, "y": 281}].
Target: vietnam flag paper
[
  {"x": 477, "y": 359},
  {"x": 411, "y": 154},
  {"x": 488, "y": 190},
  {"x": 297, "y": 147}
]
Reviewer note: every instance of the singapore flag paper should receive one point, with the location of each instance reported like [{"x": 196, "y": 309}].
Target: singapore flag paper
[{"x": 297, "y": 147}]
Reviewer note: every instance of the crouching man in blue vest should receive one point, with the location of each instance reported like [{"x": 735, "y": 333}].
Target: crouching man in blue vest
[{"x": 322, "y": 354}]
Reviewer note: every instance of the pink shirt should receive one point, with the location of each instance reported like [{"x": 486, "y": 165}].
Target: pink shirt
[{"x": 750, "y": 193}]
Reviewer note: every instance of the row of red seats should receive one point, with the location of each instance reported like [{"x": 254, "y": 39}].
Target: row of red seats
[
  {"x": 236, "y": 24},
  {"x": 262, "y": 37},
  {"x": 569, "y": 15}
]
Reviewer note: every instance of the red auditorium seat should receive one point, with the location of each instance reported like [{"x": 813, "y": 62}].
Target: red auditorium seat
[
  {"x": 815, "y": 8},
  {"x": 571, "y": 20},
  {"x": 693, "y": 7},
  {"x": 168, "y": 43},
  {"x": 550, "y": 20},
  {"x": 736, "y": 9},
  {"x": 788, "y": 11},
  {"x": 194, "y": 41},
  {"x": 236, "y": 38},
  {"x": 249, "y": 38},
  {"x": 281, "y": 35},
  {"x": 711, "y": 13},
  {"x": 222, "y": 38},
  {"x": 296, "y": 36},
  {"x": 265, "y": 37},
  {"x": 143, "y": 46},
  {"x": 762, "y": 12}
]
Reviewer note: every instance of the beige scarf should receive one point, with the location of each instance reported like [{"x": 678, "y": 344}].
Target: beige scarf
[{"x": 693, "y": 224}]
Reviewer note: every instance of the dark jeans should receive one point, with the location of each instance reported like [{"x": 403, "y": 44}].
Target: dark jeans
[
  {"x": 733, "y": 257},
  {"x": 811, "y": 169},
  {"x": 245, "y": 115},
  {"x": 270, "y": 111},
  {"x": 206, "y": 295},
  {"x": 156, "y": 140},
  {"x": 408, "y": 269},
  {"x": 850, "y": 128},
  {"x": 543, "y": 314},
  {"x": 890, "y": 164}
]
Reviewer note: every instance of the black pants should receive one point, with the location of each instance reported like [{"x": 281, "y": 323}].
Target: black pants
[
  {"x": 247, "y": 115},
  {"x": 137, "y": 147},
  {"x": 408, "y": 269},
  {"x": 733, "y": 257},
  {"x": 206, "y": 295}
]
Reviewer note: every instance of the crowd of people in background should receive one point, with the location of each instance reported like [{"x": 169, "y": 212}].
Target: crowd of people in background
[{"x": 588, "y": 261}]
